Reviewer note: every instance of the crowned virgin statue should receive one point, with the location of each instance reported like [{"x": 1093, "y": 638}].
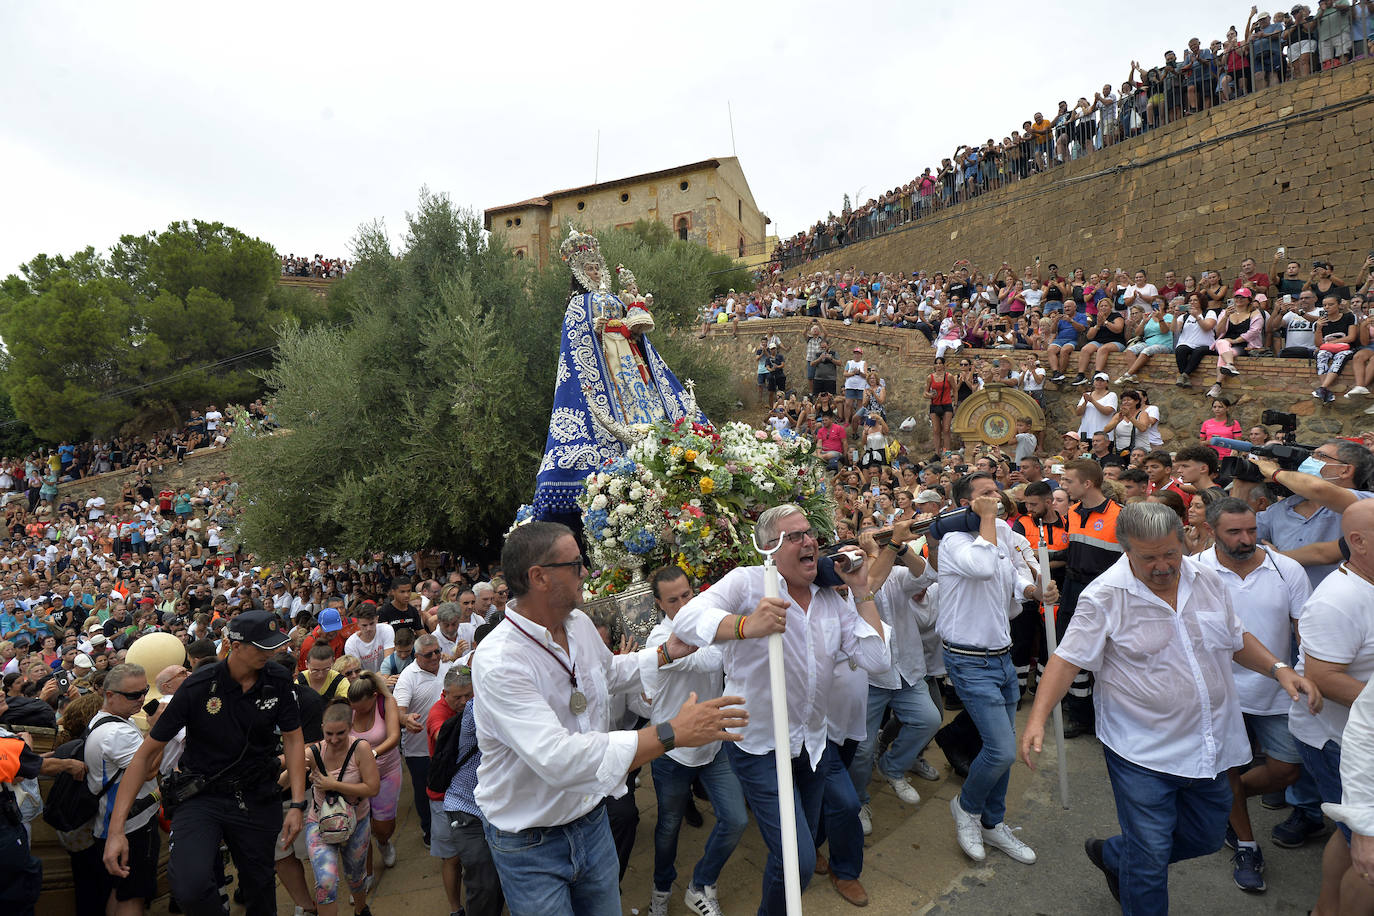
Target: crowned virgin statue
[{"x": 612, "y": 384}]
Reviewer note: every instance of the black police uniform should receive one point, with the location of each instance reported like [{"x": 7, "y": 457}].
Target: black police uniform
[
  {"x": 238, "y": 735},
  {"x": 21, "y": 875}
]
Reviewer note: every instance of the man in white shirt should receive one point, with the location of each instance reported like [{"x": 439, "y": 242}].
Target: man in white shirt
[
  {"x": 1159, "y": 630},
  {"x": 110, "y": 747},
  {"x": 983, "y": 581},
  {"x": 1337, "y": 653},
  {"x": 417, "y": 689},
  {"x": 902, "y": 687},
  {"x": 457, "y": 625},
  {"x": 373, "y": 641},
  {"x": 1356, "y": 808},
  {"x": 95, "y": 506},
  {"x": 819, "y": 627},
  {"x": 543, "y": 681},
  {"x": 670, "y": 672},
  {"x": 1267, "y": 590}
]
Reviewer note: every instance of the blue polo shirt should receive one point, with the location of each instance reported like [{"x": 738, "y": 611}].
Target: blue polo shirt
[{"x": 1282, "y": 526}]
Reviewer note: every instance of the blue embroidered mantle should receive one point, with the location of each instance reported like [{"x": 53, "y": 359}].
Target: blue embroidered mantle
[{"x": 577, "y": 444}]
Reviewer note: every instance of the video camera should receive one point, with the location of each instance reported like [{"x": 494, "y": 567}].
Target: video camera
[
  {"x": 1286, "y": 422},
  {"x": 1288, "y": 457}
]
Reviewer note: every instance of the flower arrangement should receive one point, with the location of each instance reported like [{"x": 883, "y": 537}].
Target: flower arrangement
[{"x": 688, "y": 494}]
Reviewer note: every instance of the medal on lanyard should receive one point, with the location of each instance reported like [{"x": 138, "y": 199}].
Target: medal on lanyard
[{"x": 578, "y": 701}]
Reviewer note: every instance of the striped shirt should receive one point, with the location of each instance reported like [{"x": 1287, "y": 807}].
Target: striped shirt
[{"x": 459, "y": 796}]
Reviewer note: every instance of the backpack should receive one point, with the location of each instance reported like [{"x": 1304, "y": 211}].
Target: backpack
[
  {"x": 71, "y": 803},
  {"x": 334, "y": 815},
  {"x": 445, "y": 763}
]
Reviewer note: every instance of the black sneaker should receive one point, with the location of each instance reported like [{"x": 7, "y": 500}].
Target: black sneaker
[
  {"x": 1057, "y": 377},
  {"x": 1297, "y": 830},
  {"x": 1080, "y": 379},
  {"x": 1093, "y": 847}
]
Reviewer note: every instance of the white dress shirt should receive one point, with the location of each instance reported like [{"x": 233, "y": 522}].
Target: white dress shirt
[
  {"x": 1356, "y": 809},
  {"x": 416, "y": 692},
  {"x": 542, "y": 764},
  {"x": 464, "y": 633},
  {"x": 847, "y": 719},
  {"x": 981, "y": 583},
  {"x": 1165, "y": 698},
  {"x": 702, "y": 673},
  {"x": 815, "y": 638},
  {"x": 1266, "y": 601},
  {"x": 1336, "y": 626},
  {"x": 906, "y": 618}
]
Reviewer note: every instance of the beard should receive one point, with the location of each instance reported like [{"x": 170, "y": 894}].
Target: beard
[{"x": 1240, "y": 551}]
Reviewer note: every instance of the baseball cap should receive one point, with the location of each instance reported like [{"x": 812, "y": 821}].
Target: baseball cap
[
  {"x": 83, "y": 661},
  {"x": 1244, "y": 291},
  {"x": 1102, "y": 375},
  {"x": 1071, "y": 434},
  {"x": 330, "y": 621},
  {"x": 260, "y": 628},
  {"x": 929, "y": 496},
  {"x": 146, "y": 601},
  {"x": 98, "y": 640},
  {"x": 857, "y": 350}
]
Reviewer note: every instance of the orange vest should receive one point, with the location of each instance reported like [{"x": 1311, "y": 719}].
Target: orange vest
[
  {"x": 1093, "y": 546},
  {"x": 1030, "y": 528}
]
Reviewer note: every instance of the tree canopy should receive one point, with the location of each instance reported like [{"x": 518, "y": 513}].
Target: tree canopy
[
  {"x": 169, "y": 320},
  {"x": 419, "y": 420}
]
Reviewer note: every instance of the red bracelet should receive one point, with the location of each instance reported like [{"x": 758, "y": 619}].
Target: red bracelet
[{"x": 1274, "y": 477}]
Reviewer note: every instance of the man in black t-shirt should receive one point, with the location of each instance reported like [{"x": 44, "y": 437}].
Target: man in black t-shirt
[{"x": 398, "y": 611}]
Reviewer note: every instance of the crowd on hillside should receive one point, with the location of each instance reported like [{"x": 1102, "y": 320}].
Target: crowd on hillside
[
  {"x": 317, "y": 267},
  {"x": 1266, "y": 51},
  {"x": 1073, "y": 321}
]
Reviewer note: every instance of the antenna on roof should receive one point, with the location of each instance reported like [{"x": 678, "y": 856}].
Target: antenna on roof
[{"x": 730, "y": 113}]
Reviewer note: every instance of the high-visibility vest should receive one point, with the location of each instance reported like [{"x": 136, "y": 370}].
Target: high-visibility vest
[
  {"x": 1093, "y": 546},
  {"x": 1058, "y": 535}
]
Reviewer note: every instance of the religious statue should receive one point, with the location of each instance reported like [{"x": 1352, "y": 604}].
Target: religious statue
[{"x": 611, "y": 382}]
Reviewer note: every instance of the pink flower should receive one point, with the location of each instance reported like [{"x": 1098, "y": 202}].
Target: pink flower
[{"x": 760, "y": 435}]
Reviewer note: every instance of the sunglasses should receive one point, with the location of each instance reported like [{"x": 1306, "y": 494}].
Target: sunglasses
[
  {"x": 132, "y": 694},
  {"x": 429, "y": 654},
  {"x": 353, "y": 672}
]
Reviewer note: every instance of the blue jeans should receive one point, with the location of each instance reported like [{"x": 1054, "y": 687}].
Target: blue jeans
[
  {"x": 1164, "y": 819},
  {"x": 839, "y": 820},
  {"x": 988, "y": 689},
  {"x": 673, "y": 786},
  {"x": 568, "y": 869},
  {"x": 1324, "y": 766},
  {"x": 758, "y": 777},
  {"x": 920, "y": 720}
]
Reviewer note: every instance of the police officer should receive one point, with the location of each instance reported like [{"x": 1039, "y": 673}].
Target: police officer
[{"x": 239, "y": 714}]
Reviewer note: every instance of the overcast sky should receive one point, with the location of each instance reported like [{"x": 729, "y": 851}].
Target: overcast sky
[{"x": 297, "y": 121}]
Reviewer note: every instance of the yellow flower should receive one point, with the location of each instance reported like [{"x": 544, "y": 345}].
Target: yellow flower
[
  {"x": 676, "y": 451},
  {"x": 690, "y": 455},
  {"x": 706, "y": 484}
]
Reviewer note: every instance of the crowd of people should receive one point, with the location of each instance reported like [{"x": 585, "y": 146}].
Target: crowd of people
[
  {"x": 317, "y": 267},
  {"x": 1068, "y": 324},
  {"x": 1266, "y": 51}
]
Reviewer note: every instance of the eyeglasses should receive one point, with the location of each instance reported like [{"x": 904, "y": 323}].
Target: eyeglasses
[
  {"x": 503, "y": 592},
  {"x": 132, "y": 694},
  {"x": 353, "y": 672},
  {"x": 796, "y": 537},
  {"x": 580, "y": 566},
  {"x": 429, "y": 654}
]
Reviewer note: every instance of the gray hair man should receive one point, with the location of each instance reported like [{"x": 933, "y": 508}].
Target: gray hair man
[
  {"x": 417, "y": 690},
  {"x": 1159, "y": 630}
]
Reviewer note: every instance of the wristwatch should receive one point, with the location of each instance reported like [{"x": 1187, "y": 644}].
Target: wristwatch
[
  {"x": 666, "y": 736},
  {"x": 1274, "y": 668},
  {"x": 298, "y": 805}
]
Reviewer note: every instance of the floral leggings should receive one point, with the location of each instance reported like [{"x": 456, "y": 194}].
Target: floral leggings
[{"x": 325, "y": 859}]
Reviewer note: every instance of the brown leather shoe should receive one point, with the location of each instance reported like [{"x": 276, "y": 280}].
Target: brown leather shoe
[
  {"x": 852, "y": 891},
  {"x": 822, "y": 864}
]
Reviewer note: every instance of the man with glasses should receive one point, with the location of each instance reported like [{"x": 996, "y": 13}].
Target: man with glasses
[
  {"x": 240, "y": 716},
  {"x": 111, "y": 744},
  {"x": 417, "y": 690},
  {"x": 543, "y": 681},
  {"x": 820, "y": 627}
]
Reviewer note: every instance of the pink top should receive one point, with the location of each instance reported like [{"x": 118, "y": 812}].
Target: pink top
[
  {"x": 362, "y": 807},
  {"x": 375, "y": 735},
  {"x": 1214, "y": 427}
]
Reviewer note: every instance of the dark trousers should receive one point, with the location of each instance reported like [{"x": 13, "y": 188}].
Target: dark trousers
[
  {"x": 1027, "y": 641},
  {"x": 21, "y": 875},
  {"x": 623, "y": 814},
  {"x": 481, "y": 883},
  {"x": 839, "y": 821},
  {"x": 419, "y": 775},
  {"x": 199, "y": 826},
  {"x": 1189, "y": 358},
  {"x": 90, "y": 882},
  {"x": 1078, "y": 704}
]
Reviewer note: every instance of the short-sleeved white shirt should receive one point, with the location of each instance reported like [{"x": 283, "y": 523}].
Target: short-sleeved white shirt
[
  {"x": 1093, "y": 420},
  {"x": 1336, "y": 626},
  {"x": 110, "y": 748},
  {"x": 373, "y": 653}
]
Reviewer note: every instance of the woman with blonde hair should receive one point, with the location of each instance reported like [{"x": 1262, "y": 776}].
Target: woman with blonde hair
[{"x": 377, "y": 719}]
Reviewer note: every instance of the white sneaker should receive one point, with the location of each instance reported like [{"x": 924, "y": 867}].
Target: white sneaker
[
  {"x": 968, "y": 831},
  {"x": 1369, "y": 410},
  {"x": 1004, "y": 838},
  {"x": 905, "y": 791},
  {"x": 925, "y": 769},
  {"x": 703, "y": 902},
  {"x": 866, "y": 819},
  {"x": 1358, "y": 389},
  {"x": 658, "y": 902},
  {"x": 389, "y": 854}
]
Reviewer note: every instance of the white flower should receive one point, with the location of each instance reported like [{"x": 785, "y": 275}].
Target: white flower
[
  {"x": 608, "y": 543},
  {"x": 599, "y": 502},
  {"x": 636, "y": 493}
]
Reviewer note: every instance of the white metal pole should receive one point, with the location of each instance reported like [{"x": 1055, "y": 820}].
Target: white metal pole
[
  {"x": 1051, "y": 642},
  {"x": 782, "y": 753}
]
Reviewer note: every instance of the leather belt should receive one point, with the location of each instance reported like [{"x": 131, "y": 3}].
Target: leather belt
[{"x": 975, "y": 650}]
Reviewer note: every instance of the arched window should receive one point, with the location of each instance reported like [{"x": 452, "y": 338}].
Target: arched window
[{"x": 682, "y": 229}]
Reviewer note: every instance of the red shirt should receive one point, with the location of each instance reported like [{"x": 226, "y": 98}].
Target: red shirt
[
  {"x": 1258, "y": 283},
  {"x": 335, "y": 640},
  {"x": 1170, "y": 292},
  {"x": 439, "y": 713},
  {"x": 832, "y": 439}
]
